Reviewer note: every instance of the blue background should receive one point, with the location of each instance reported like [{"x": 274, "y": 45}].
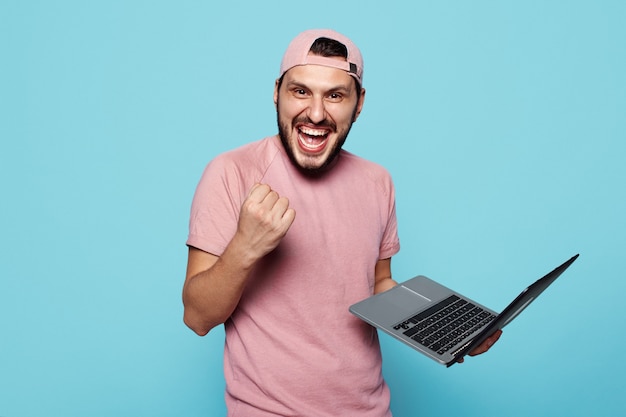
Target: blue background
[{"x": 502, "y": 123}]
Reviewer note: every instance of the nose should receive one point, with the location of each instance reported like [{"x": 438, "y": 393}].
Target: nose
[{"x": 317, "y": 110}]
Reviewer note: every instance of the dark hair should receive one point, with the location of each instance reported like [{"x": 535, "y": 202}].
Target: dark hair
[{"x": 328, "y": 48}]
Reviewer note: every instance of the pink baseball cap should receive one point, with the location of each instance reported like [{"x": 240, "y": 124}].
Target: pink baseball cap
[{"x": 297, "y": 53}]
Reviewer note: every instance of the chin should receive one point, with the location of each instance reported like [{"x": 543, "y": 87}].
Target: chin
[
  {"x": 318, "y": 166},
  {"x": 311, "y": 165}
]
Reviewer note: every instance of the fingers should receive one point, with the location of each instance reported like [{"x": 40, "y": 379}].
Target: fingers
[
  {"x": 272, "y": 202},
  {"x": 258, "y": 192},
  {"x": 486, "y": 345},
  {"x": 491, "y": 340},
  {"x": 264, "y": 195},
  {"x": 265, "y": 218}
]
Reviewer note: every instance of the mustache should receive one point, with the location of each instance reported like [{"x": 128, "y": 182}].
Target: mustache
[{"x": 324, "y": 123}]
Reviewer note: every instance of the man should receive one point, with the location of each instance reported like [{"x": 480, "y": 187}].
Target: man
[{"x": 285, "y": 234}]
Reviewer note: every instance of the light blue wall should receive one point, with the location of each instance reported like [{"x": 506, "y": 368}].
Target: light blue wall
[{"x": 502, "y": 123}]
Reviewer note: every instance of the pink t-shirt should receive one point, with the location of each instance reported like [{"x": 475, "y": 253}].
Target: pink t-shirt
[{"x": 292, "y": 347}]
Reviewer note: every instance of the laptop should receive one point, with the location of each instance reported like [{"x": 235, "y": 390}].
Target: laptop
[{"x": 441, "y": 323}]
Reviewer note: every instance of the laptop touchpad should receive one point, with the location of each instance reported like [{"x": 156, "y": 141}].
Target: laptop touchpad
[{"x": 409, "y": 301}]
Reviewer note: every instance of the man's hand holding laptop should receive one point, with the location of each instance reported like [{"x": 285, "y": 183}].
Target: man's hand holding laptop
[{"x": 485, "y": 346}]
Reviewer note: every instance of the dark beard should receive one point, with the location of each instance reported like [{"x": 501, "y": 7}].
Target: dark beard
[{"x": 332, "y": 157}]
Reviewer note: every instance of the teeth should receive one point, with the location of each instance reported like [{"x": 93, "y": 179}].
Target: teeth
[
  {"x": 313, "y": 132},
  {"x": 308, "y": 146},
  {"x": 312, "y": 143}
]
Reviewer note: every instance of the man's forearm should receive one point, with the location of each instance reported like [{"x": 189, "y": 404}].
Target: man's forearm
[
  {"x": 211, "y": 295},
  {"x": 384, "y": 285}
]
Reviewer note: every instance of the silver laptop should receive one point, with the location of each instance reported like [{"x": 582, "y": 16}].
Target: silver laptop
[{"x": 441, "y": 323}]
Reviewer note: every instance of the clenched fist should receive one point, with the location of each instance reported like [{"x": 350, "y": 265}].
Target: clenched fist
[{"x": 264, "y": 219}]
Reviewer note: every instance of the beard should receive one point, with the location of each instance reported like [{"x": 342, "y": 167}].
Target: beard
[{"x": 283, "y": 133}]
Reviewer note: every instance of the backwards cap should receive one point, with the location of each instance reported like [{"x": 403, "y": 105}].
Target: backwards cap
[{"x": 297, "y": 53}]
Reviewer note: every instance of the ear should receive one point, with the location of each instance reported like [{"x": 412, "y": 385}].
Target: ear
[
  {"x": 359, "y": 105},
  {"x": 276, "y": 93}
]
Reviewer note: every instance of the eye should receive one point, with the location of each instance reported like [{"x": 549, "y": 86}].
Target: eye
[
  {"x": 299, "y": 92},
  {"x": 335, "y": 97}
]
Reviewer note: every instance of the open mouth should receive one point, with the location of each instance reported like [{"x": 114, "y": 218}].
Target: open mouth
[{"x": 312, "y": 140}]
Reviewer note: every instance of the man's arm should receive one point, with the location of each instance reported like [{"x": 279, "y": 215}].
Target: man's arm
[
  {"x": 213, "y": 285},
  {"x": 212, "y": 289},
  {"x": 382, "y": 276}
]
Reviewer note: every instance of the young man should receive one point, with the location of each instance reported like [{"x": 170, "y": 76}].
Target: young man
[{"x": 285, "y": 234}]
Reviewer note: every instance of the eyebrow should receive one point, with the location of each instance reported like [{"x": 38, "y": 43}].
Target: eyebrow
[{"x": 338, "y": 88}]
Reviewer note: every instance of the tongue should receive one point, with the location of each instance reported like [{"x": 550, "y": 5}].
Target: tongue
[{"x": 312, "y": 142}]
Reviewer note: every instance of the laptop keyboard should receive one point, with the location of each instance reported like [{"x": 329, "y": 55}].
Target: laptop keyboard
[{"x": 444, "y": 325}]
